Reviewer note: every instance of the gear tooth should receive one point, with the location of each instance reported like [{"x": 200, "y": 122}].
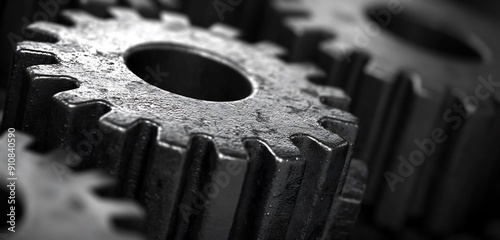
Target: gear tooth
[
  {"x": 463, "y": 162},
  {"x": 305, "y": 36},
  {"x": 381, "y": 131},
  {"x": 346, "y": 207},
  {"x": 347, "y": 129},
  {"x": 330, "y": 96},
  {"x": 290, "y": 7},
  {"x": 336, "y": 99},
  {"x": 118, "y": 120},
  {"x": 67, "y": 129},
  {"x": 124, "y": 14},
  {"x": 44, "y": 82},
  {"x": 344, "y": 63},
  {"x": 270, "y": 49},
  {"x": 284, "y": 149},
  {"x": 43, "y": 47},
  {"x": 171, "y": 4},
  {"x": 47, "y": 31},
  {"x": 132, "y": 144},
  {"x": 53, "y": 70},
  {"x": 307, "y": 70},
  {"x": 393, "y": 105},
  {"x": 218, "y": 177},
  {"x": 18, "y": 83},
  {"x": 382, "y": 70},
  {"x": 225, "y": 30},
  {"x": 339, "y": 51},
  {"x": 301, "y": 25},
  {"x": 269, "y": 191},
  {"x": 230, "y": 148},
  {"x": 174, "y": 18},
  {"x": 78, "y": 16},
  {"x": 324, "y": 166},
  {"x": 416, "y": 81},
  {"x": 148, "y": 9},
  {"x": 163, "y": 183}
]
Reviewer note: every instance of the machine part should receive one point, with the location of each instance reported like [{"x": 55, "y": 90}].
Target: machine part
[
  {"x": 219, "y": 139},
  {"x": 242, "y": 14},
  {"x": 15, "y": 16},
  {"x": 403, "y": 63},
  {"x": 346, "y": 206},
  {"x": 97, "y": 7},
  {"x": 52, "y": 202}
]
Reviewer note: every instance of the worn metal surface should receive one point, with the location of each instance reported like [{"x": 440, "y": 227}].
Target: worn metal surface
[
  {"x": 52, "y": 202},
  {"x": 347, "y": 205},
  {"x": 405, "y": 64},
  {"x": 265, "y": 159}
]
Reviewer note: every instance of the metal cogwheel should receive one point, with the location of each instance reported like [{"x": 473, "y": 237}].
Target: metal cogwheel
[
  {"x": 405, "y": 64},
  {"x": 219, "y": 139},
  {"x": 56, "y": 203}
]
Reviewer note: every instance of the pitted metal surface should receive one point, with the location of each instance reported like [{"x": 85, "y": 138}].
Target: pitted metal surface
[{"x": 285, "y": 144}]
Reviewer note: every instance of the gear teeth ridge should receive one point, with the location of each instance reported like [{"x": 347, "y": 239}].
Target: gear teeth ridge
[
  {"x": 146, "y": 168},
  {"x": 391, "y": 110},
  {"x": 212, "y": 191},
  {"x": 346, "y": 207},
  {"x": 332, "y": 97},
  {"x": 174, "y": 18},
  {"x": 318, "y": 186},
  {"x": 25, "y": 57},
  {"x": 344, "y": 63},
  {"x": 473, "y": 145},
  {"x": 124, "y": 14},
  {"x": 269, "y": 195},
  {"x": 78, "y": 17},
  {"x": 48, "y": 31},
  {"x": 126, "y": 156},
  {"x": 39, "y": 99},
  {"x": 39, "y": 46},
  {"x": 347, "y": 130},
  {"x": 270, "y": 49},
  {"x": 81, "y": 137},
  {"x": 225, "y": 30},
  {"x": 290, "y": 7},
  {"x": 303, "y": 38}
]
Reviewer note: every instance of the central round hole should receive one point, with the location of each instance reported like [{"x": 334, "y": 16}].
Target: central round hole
[
  {"x": 187, "y": 72},
  {"x": 425, "y": 34}
]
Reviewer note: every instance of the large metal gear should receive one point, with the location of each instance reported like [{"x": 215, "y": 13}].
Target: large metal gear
[
  {"x": 258, "y": 151},
  {"x": 56, "y": 203},
  {"x": 405, "y": 64}
]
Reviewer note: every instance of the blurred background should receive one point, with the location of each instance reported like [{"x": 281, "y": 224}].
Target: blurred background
[{"x": 467, "y": 209}]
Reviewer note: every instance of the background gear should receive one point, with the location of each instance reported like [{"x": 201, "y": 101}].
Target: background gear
[
  {"x": 284, "y": 165},
  {"x": 405, "y": 63},
  {"x": 58, "y": 204}
]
